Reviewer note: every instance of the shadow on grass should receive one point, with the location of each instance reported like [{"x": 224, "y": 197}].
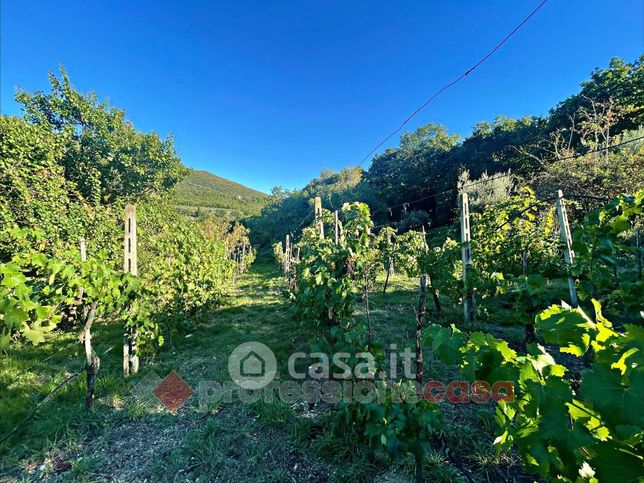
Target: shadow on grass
[{"x": 254, "y": 311}]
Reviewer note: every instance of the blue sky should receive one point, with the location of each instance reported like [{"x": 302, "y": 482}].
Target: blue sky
[{"x": 269, "y": 93}]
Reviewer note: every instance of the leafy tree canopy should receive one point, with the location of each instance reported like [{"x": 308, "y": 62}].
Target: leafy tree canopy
[{"x": 104, "y": 156}]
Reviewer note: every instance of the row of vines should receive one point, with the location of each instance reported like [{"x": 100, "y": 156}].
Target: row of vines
[
  {"x": 184, "y": 271},
  {"x": 67, "y": 170},
  {"x": 578, "y": 379}
]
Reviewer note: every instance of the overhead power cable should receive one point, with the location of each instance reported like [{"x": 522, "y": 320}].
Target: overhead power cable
[
  {"x": 491, "y": 178},
  {"x": 455, "y": 81}
]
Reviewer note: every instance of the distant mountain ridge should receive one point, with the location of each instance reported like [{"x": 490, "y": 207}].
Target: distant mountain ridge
[{"x": 204, "y": 190}]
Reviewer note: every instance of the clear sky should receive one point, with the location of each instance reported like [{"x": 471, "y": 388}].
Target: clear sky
[{"x": 268, "y": 93}]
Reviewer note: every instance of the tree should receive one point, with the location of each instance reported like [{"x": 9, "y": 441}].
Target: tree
[
  {"x": 34, "y": 193},
  {"x": 417, "y": 169},
  {"x": 104, "y": 156},
  {"x": 421, "y": 174},
  {"x": 290, "y": 211},
  {"x": 621, "y": 82},
  {"x": 603, "y": 174},
  {"x": 487, "y": 189},
  {"x": 493, "y": 146}
]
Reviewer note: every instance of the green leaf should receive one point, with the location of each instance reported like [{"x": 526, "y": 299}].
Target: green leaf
[
  {"x": 617, "y": 463},
  {"x": 33, "y": 335},
  {"x": 5, "y": 339},
  {"x": 43, "y": 312},
  {"x": 446, "y": 342},
  {"x": 619, "y": 402},
  {"x": 14, "y": 316},
  {"x": 566, "y": 327}
]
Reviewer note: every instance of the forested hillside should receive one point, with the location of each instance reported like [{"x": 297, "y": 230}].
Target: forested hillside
[
  {"x": 415, "y": 183},
  {"x": 207, "y": 192}
]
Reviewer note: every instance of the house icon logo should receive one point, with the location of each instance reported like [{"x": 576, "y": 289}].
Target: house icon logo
[{"x": 252, "y": 365}]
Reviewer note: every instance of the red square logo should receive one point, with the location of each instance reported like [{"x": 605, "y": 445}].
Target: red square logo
[{"x": 173, "y": 392}]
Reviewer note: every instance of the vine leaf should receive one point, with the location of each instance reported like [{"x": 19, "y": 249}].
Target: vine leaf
[
  {"x": 566, "y": 327},
  {"x": 614, "y": 463},
  {"x": 620, "y": 403}
]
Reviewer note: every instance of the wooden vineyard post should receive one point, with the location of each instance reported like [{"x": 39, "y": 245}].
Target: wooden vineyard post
[
  {"x": 366, "y": 307},
  {"x": 420, "y": 315},
  {"x": 390, "y": 264},
  {"x": 130, "y": 356},
  {"x": 81, "y": 290},
  {"x": 93, "y": 362},
  {"x": 287, "y": 257},
  {"x": 435, "y": 296},
  {"x": 318, "y": 216},
  {"x": 466, "y": 254},
  {"x": 337, "y": 227},
  {"x": 569, "y": 254},
  {"x": 437, "y": 302},
  {"x": 530, "y": 335},
  {"x": 238, "y": 260},
  {"x": 638, "y": 244},
  {"x": 391, "y": 258}
]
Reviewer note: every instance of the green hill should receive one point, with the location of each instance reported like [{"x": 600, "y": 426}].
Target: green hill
[{"x": 206, "y": 191}]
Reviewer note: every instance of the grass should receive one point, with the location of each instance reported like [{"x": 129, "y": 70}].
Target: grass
[{"x": 126, "y": 440}]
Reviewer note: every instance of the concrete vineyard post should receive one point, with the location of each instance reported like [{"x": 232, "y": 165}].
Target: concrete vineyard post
[
  {"x": 425, "y": 240},
  {"x": 83, "y": 250},
  {"x": 130, "y": 256},
  {"x": 290, "y": 255},
  {"x": 466, "y": 255},
  {"x": 566, "y": 238},
  {"x": 130, "y": 356},
  {"x": 336, "y": 224}
]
